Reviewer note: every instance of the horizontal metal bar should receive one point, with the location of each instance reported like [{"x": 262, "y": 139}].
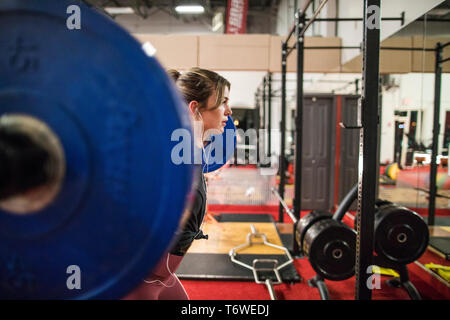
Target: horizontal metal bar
[
  {"x": 288, "y": 211},
  {"x": 407, "y": 49},
  {"x": 381, "y": 48},
  {"x": 445, "y": 44},
  {"x": 445, "y": 60},
  {"x": 353, "y": 19},
  {"x": 356, "y": 47},
  {"x": 314, "y": 16},
  {"x": 332, "y": 47},
  {"x": 289, "y": 50}
]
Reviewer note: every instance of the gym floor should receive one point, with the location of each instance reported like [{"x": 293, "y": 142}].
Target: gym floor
[{"x": 253, "y": 196}]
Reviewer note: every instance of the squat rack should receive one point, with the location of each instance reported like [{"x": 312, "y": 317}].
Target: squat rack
[{"x": 368, "y": 124}]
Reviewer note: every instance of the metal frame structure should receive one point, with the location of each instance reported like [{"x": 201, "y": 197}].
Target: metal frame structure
[
  {"x": 368, "y": 138},
  {"x": 368, "y": 124},
  {"x": 367, "y": 180}
]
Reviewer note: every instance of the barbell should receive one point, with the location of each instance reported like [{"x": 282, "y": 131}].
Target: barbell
[
  {"x": 401, "y": 236},
  {"x": 88, "y": 188}
]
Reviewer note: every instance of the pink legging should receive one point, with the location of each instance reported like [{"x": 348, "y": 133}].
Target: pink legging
[{"x": 162, "y": 283}]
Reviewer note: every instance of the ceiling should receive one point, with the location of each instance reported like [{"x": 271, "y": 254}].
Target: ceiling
[{"x": 145, "y": 8}]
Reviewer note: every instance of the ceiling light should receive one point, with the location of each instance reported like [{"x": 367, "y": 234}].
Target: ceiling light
[
  {"x": 190, "y": 9},
  {"x": 119, "y": 10}
]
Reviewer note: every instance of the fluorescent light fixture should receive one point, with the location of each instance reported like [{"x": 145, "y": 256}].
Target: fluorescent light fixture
[
  {"x": 119, "y": 10},
  {"x": 190, "y": 9}
]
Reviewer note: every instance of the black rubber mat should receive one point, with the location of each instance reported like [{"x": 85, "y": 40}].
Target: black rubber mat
[
  {"x": 441, "y": 244},
  {"x": 287, "y": 240},
  {"x": 210, "y": 266},
  {"x": 202, "y": 266},
  {"x": 244, "y": 217}
]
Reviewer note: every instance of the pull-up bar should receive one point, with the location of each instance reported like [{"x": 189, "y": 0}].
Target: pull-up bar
[
  {"x": 357, "y": 19},
  {"x": 290, "y": 49}
]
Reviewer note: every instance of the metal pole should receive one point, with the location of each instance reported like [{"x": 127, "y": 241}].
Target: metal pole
[
  {"x": 300, "y": 20},
  {"x": 380, "y": 107},
  {"x": 436, "y": 129},
  {"x": 285, "y": 206},
  {"x": 368, "y": 148},
  {"x": 264, "y": 103},
  {"x": 282, "y": 129},
  {"x": 262, "y": 135},
  {"x": 269, "y": 116}
]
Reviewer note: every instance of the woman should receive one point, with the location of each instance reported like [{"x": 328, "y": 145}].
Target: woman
[{"x": 206, "y": 94}]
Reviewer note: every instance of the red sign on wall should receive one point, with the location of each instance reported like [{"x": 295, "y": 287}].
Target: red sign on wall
[{"x": 237, "y": 16}]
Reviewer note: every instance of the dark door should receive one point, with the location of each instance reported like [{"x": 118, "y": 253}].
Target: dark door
[
  {"x": 349, "y": 147},
  {"x": 318, "y": 151}
]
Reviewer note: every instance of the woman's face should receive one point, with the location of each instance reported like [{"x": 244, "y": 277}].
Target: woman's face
[{"x": 214, "y": 120}]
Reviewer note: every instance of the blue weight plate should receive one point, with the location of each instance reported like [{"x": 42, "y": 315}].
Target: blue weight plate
[
  {"x": 226, "y": 143},
  {"x": 113, "y": 109}
]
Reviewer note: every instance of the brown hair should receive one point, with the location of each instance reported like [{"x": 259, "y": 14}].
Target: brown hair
[
  {"x": 174, "y": 74},
  {"x": 198, "y": 84}
]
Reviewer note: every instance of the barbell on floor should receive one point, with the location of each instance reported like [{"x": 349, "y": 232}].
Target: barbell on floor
[
  {"x": 329, "y": 245},
  {"x": 401, "y": 237}
]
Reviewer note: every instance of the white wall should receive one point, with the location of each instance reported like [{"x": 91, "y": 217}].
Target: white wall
[
  {"x": 243, "y": 87},
  {"x": 415, "y": 92}
]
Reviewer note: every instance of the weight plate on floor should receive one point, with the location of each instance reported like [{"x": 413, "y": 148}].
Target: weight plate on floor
[
  {"x": 330, "y": 246},
  {"x": 306, "y": 222},
  {"x": 401, "y": 235}
]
